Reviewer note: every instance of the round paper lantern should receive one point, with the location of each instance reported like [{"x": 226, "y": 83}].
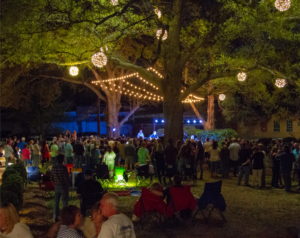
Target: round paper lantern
[
  {"x": 73, "y": 71},
  {"x": 242, "y": 76},
  {"x": 114, "y": 2},
  {"x": 159, "y": 32},
  {"x": 99, "y": 59},
  {"x": 222, "y": 97},
  {"x": 280, "y": 83},
  {"x": 157, "y": 12},
  {"x": 283, "y": 5}
]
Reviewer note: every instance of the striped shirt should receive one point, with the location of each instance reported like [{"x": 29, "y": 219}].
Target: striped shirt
[{"x": 66, "y": 232}]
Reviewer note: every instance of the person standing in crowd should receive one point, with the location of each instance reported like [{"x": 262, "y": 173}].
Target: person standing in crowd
[
  {"x": 61, "y": 180},
  {"x": 45, "y": 152},
  {"x": 296, "y": 152},
  {"x": 286, "y": 166},
  {"x": 160, "y": 161},
  {"x": 109, "y": 160},
  {"x": 244, "y": 156},
  {"x": 9, "y": 154},
  {"x": 199, "y": 159},
  {"x": 25, "y": 155},
  {"x": 214, "y": 154},
  {"x": 171, "y": 154},
  {"x": 140, "y": 135},
  {"x": 10, "y": 225},
  {"x": 143, "y": 153},
  {"x": 184, "y": 155},
  {"x": 21, "y": 146},
  {"x": 275, "y": 167},
  {"x": 54, "y": 152},
  {"x": 234, "y": 149},
  {"x": 122, "y": 153},
  {"x": 87, "y": 152},
  {"x": 69, "y": 153},
  {"x": 207, "y": 145},
  {"x": 31, "y": 149},
  {"x": 258, "y": 166},
  {"x": 95, "y": 159},
  {"x": 228, "y": 142},
  {"x": 118, "y": 224},
  {"x": 61, "y": 146},
  {"x": 225, "y": 160},
  {"x": 15, "y": 149},
  {"x": 71, "y": 219},
  {"x": 263, "y": 176},
  {"x": 130, "y": 153},
  {"x": 79, "y": 151},
  {"x": 36, "y": 154}
]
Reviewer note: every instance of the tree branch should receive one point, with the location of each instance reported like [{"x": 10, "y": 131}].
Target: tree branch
[{"x": 130, "y": 113}]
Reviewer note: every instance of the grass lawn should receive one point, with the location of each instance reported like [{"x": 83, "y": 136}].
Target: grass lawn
[{"x": 250, "y": 213}]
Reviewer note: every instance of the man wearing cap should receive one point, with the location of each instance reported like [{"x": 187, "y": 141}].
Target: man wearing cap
[
  {"x": 20, "y": 147},
  {"x": 89, "y": 190}
]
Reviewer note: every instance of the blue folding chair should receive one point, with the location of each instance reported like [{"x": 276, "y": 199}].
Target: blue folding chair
[
  {"x": 33, "y": 173},
  {"x": 212, "y": 196}
]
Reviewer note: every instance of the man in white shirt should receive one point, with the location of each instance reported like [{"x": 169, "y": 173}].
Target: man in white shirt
[
  {"x": 234, "y": 149},
  {"x": 118, "y": 225},
  {"x": 140, "y": 134}
]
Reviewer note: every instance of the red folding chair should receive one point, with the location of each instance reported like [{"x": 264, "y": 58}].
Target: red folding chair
[
  {"x": 47, "y": 188},
  {"x": 69, "y": 167},
  {"x": 150, "y": 206},
  {"x": 182, "y": 201}
]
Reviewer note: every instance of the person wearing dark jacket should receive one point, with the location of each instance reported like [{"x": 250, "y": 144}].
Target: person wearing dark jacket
[
  {"x": 78, "y": 149},
  {"x": 286, "y": 166},
  {"x": 258, "y": 166},
  {"x": 244, "y": 156},
  {"x": 225, "y": 159},
  {"x": 160, "y": 161},
  {"x": 275, "y": 168}
]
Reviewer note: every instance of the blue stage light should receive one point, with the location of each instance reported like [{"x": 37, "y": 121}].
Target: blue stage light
[
  {"x": 200, "y": 121},
  {"x": 162, "y": 121},
  {"x": 114, "y": 129},
  {"x": 188, "y": 121},
  {"x": 156, "y": 121},
  {"x": 194, "y": 121}
]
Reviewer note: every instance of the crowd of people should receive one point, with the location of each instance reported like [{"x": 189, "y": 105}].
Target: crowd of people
[{"x": 240, "y": 157}]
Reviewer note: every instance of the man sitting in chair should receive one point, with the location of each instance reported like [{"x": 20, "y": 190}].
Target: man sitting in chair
[
  {"x": 90, "y": 191},
  {"x": 176, "y": 184}
]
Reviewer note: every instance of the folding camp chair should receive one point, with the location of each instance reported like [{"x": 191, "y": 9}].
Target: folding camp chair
[
  {"x": 182, "y": 202},
  {"x": 69, "y": 167},
  {"x": 150, "y": 206},
  {"x": 32, "y": 176},
  {"x": 102, "y": 176},
  {"x": 88, "y": 201},
  {"x": 171, "y": 170},
  {"x": 212, "y": 196},
  {"x": 47, "y": 188},
  {"x": 143, "y": 178},
  {"x": 187, "y": 177}
]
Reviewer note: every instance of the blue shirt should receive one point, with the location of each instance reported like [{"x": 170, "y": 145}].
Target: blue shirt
[
  {"x": 21, "y": 145},
  {"x": 66, "y": 232},
  {"x": 295, "y": 153},
  {"x": 69, "y": 147}
]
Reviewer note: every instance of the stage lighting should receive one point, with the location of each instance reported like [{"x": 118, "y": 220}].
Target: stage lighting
[
  {"x": 114, "y": 129},
  {"x": 188, "y": 121},
  {"x": 200, "y": 121},
  {"x": 194, "y": 121},
  {"x": 162, "y": 121},
  {"x": 156, "y": 121}
]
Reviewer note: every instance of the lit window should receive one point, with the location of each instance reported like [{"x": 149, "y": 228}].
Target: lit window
[
  {"x": 289, "y": 126},
  {"x": 276, "y": 126}
]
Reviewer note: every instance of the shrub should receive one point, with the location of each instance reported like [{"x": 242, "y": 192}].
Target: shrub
[
  {"x": 13, "y": 187},
  {"x": 21, "y": 170},
  {"x": 10, "y": 197},
  {"x": 9, "y": 171},
  {"x": 15, "y": 178}
]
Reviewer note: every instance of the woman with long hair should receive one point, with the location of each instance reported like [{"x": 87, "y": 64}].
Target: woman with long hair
[
  {"x": 214, "y": 153},
  {"x": 10, "y": 225},
  {"x": 45, "y": 152},
  {"x": 109, "y": 159}
]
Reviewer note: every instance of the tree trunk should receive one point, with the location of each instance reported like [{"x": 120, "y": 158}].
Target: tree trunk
[
  {"x": 210, "y": 124},
  {"x": 113, "y": 109},
  {"x": 98, "y": 117},
  {"x": 173, "y": 110}
]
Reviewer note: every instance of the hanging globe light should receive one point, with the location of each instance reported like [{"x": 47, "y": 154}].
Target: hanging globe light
[
  {"x": 280, "y": 83},
  {"x": 73, "y": 71},
  {"x": 114, "y": 2},
  {"x": 242, "y": 76},
  {"x": 283, "y": 5},
  {"x": 157, "y": 12},
  {"x": 159, "y": 32},
  {"x": 99, "y": 59},
  {"x": 222, "y": 97}
]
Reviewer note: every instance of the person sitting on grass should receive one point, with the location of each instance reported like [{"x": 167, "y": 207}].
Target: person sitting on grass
[
  {"x": 71, "y": 218},
  {"x": 10, "y": 225},
  {"x": 155, "y": 188}
]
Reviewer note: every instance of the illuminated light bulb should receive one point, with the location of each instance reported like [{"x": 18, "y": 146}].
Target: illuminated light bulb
[
  {"x": 73, "y": 71},
  {"x": 110, "y": 88},
  {"x": 222, "y": 97},
  {"x": 114, "y": 2},
  {"x": 105, "y": 87},
  {"x": 157, "y": 12},
  {"x": 127, "y": 83},
  {"x": 280, "y": 83},
  {"x": 159, "y": 32},
  {"x": 242, "y": 76},
  {"x": 283, "y": 5},
  {"x": 109, "y": 82},
  {"x": 99, "y": 59},
  {"x": 143, "y": 89}
]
